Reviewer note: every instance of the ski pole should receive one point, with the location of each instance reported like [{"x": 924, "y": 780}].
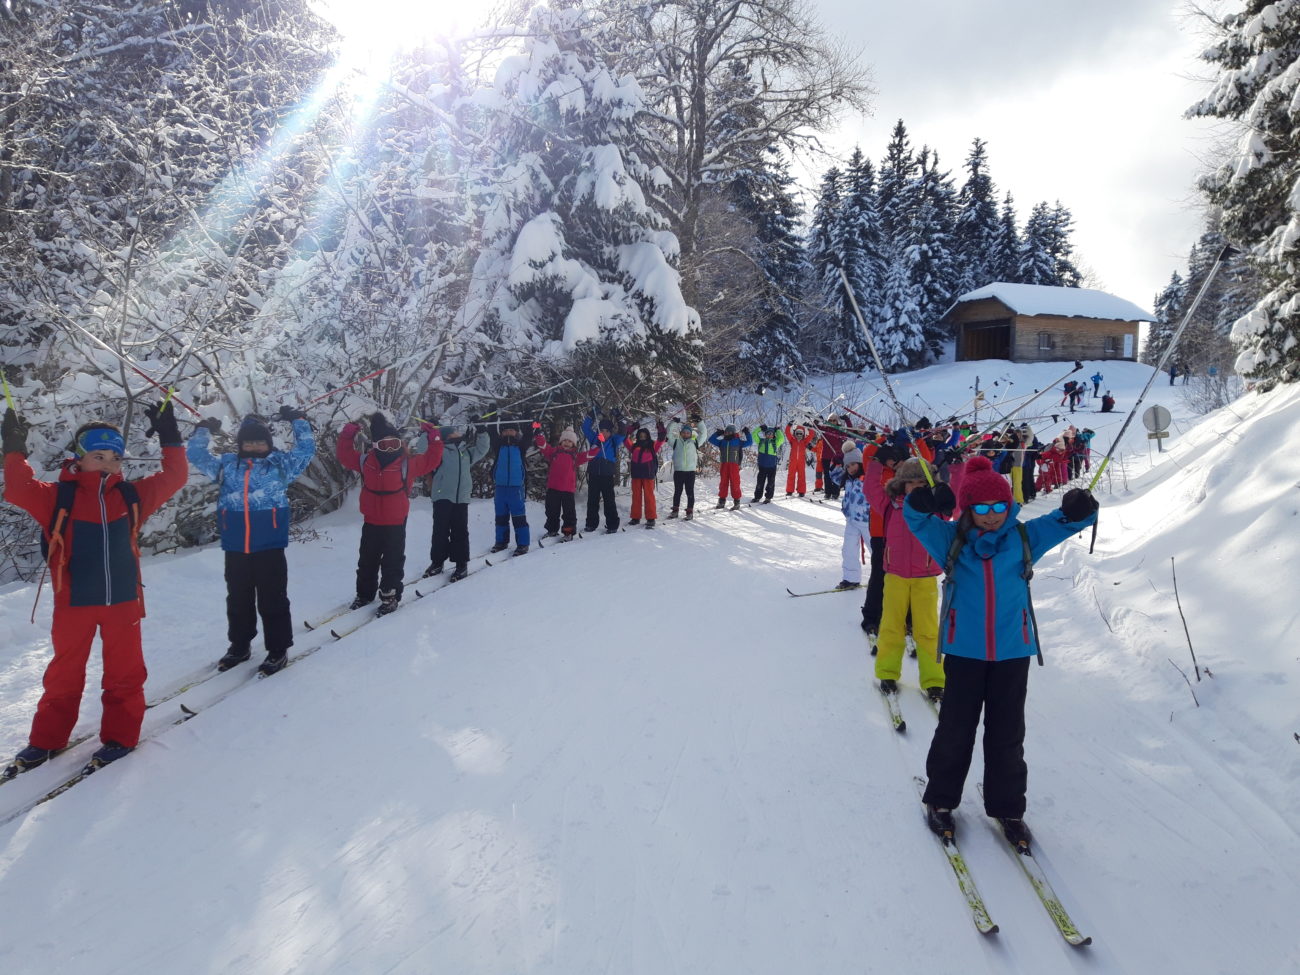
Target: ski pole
[
  {"x": 132, "y": 366},
  {"x": 509, "y": 406},
  {"x": 9, "y": 397},
  {"x": 377, "y": 372},
  {"x": 889, "y": 388},
  {"x": 1227, "y": 252}
]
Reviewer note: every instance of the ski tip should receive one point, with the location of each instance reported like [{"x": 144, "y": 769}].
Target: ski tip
[
  {"x": 901, "y": 727},
  {"x": 990, "y": 929},
  {"x": 1080, "y": 942},
  {"x": 333, "y": 633}
]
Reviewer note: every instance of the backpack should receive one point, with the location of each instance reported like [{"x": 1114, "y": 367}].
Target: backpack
[
  {"x": 1027, "y": 574},
  {"x": 67, "y": 493},
  {"x": 406, "y": 476}
]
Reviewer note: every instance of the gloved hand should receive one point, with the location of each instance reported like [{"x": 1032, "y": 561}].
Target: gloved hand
[
  {"x": 745, "y": 431},
  {"x": 162, "y": 421},
  {"x": 211, "y": 424},
  {"x": 537, "y": 425},
  {"x": 891, "y": 454},
  {"x": 1078, "y": 504},
  {"x": 933, "y": 500},
  {"x": 14, "y": 430},
  {"x": 291, "y": 413},
  {"x": 474, "y": 418}
]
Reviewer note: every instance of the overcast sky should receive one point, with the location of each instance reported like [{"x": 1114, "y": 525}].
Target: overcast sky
[{"x": 1078, "y": 101}]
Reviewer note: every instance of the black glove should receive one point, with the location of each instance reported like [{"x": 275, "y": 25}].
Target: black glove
[
  {"x": 162, "y": 421},
  {"x": 931, "y": 500},
  {"x": 14, "y": 429},
  {"x": 474, "y": 418},
  {"x": 290, "y": 413},
  {"x": 889, "y": 455},
  {"x": 211, "y": 424},
  {"x": 745, "y": 431},
  {"x": 1078, "y": 504}
]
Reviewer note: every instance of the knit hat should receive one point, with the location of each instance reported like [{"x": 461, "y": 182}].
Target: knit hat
[
  {"x": 606, "y": 424},
  {"x": 983, "y": 483},
  {"x": 381, "y": 428},
  {"x": 731, "y": 428},
  {"x": 568, "y": 436},
  {"x": 685, "y": 428},
  {"x": 852, "y": 456},
  {"x": 253, "y": 428},
  {"x": 908, "y": 470}
]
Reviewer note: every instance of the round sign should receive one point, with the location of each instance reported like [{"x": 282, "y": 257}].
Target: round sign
[{"x": 1156, "y": 418}]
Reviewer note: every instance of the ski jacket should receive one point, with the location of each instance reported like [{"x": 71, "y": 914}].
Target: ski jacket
[
  {"x": 730, "y": 447},
  {"x": 509, "y": 468},
  {"x": 905, "y": 556},
  {"x": 645, "y": 460},
  {"x": 989, "y": 615},
  {"x": 253, "y": 496},
  {"x": 453, "y": 480},
  {"x": 386, "y": 488},
  {"x": 832, "y": 451},
  {"x": 606, "y": 459},
  {"x": 93, "y": 558},
  {"x": 769, "y": 448},
  {"x": 798, "y": 445},
  {"x": 686, "y": 453},
  {"x": 563, "y": 472},
  {"x": 853, "y": 500}
]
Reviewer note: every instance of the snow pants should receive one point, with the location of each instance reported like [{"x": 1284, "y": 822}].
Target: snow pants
[
  {"x": 257, "y": 583},
  {"x": 729, "y": 480},
  {"x": 450, "y": 533},
  {"x": 382, "y": 559},
  {"x": 921, "y": 597},
  {"x": 873, "y": 605},
  {"x": 795, "y": 477},
  {"x": 600, "y": 488},
  {"x": 643, "y": 497},
  {"x": 510, "y": 510},
  {"x": 1017, "y": 484},
  {"x": 684, "y": 481},
  {"x": 72, "y": 636},
  {"x": 561, "y": 510},
  {"x": 997, "y": 687},
  {"x": 765, "y": 485},
  {"x": 832, "y": 489},
  {"x": 857, "y": 535}
]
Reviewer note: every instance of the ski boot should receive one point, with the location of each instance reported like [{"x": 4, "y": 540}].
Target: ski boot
[
  {"x": 767, "y": 500},
  {"x": 940, "y": 821},
  {"x": 499, "y": 547},
  {"x": 1016, "y": 832},
  {"x": 551, "y": 535},
  {"x": 520, "y": 550},
  {"x": 935, "y": 694},
  {"x": 634, "y": 521},
  {"x": 649, "y": 522},
  {"x": 690, "y": 514},
  {"x": 722, "y": 503},
  {"x": 673, "y": 513},
  {"x": 358, "y": 603},
  {"x": 108, "y": 753},
  {"x": 735, "y": 503},
  {"x": 612, "y": 531},
  {"x": 434, "y": 569},
  {"x": 275, "y": 662},
  {"x": 26, "y": 760},
  {"x": 388, "y": 601},
  {"x": 888, "y": 686},
  {"x": 845, "y": 584},
  {"x": 233, "y": 658},
  {"x": 461, "y": 572}
]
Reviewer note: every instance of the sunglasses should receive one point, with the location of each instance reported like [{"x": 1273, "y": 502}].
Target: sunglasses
[{"x": 997, "y": 507}]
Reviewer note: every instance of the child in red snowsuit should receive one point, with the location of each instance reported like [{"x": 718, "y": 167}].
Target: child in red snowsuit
[
  {"x": 95, "y": 570},
  {"x": 800, "y": 439},
  {"x": 387, "y": 472}
]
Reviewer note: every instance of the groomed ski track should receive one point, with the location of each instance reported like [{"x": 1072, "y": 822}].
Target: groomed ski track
[{"x": 638, "y": 755}]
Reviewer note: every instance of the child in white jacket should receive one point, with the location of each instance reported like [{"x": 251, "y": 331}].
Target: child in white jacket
[{"x": 857, "y": 517}]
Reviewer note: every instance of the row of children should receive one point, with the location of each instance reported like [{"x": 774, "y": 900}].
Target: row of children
[{"x": 918, "y": 527}]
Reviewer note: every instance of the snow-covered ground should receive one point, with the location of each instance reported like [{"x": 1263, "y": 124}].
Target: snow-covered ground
[{"x": 637, "y": 754}]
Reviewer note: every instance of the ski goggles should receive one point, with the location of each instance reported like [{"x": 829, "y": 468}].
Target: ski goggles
[
  {"x": 100, "y": 439},
  {"x": 388, "y": 444},
  {"x": 997, "y": 507}
]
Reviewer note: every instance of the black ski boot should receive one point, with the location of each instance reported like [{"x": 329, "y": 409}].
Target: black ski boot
[
  {"x": 673, "y": 513},
  {"x": 735, "y": 503},
  {"x": 233, "y": 658},
  {"x": 634, "y": 521},
  {"x": 388, "y": 601},
  {"x": 520, "y": 550},
  {"x": 434, "y": 569},
  {"x": 722, "y": 503},
  {"x": 358, "y": 603},
  {"x": 499, "y": 547},
  {"x": 935, "y": 694},
  {"x": 461, "y": 572},
  {"x": 649, "y": 522},
  {"x": 274, "y": 663},
  {"x": 888, "y": 686},
  {"x": 1016, "y": 832},
  {"x": 551, "y": 535},
  {"x": 940, "y": 821},
  {"x": 612, "y": 531},
  {"x": 690, "y": 514}
]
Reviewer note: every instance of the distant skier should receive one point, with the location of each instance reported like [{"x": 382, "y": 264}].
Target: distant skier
[
  {"x": 1108, "y": 403},
  {"x": 770, "y": 440},
  {"x": 387, "y": 472},
  {"x": 987, "y": 635},
  {"x": 91, "y": 518},
  {"x": 857, "y": 517},
  {"x": 1096, "y": 378},
  {"x": 253, "y": 514}
]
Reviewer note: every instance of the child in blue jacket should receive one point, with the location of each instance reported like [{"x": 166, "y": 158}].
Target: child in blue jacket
[
  {"x": 510, "y": 475},
  {"x": 253, "y": 515},
  {"x": 987, "y": 635}
]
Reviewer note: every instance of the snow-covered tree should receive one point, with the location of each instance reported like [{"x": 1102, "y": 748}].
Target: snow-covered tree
[
  {"x": 1168, "y": 311},
  {"x": 976, "y": 222},
  {"x": 930, "y": 239},
  {"x": 1004, "y": 262},
  {"x": 900, "y": 327},
  {"x": 1035, "y": 264},
  {"x": 1258, "y": 188}
]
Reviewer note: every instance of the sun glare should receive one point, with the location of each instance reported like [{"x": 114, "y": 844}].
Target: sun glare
[{"x": 376, "y": 29}]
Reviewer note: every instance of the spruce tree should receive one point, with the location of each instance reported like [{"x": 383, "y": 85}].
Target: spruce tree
[
  {"x": 1004, "y": 263},
  {"x": 1168, "y": 311},
  {"x": 930, "y": 240},
  {"x": 977, "y": 224},
  {"x": 1035, "y": 264},
  {"x": 1258, "y": 86}
]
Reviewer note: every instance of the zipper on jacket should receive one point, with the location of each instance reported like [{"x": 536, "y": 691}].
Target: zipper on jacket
[
  {"x": 103, "y": 524},
  {"x": 248, "y": 515},
  {"x": 990, "y": 613}
]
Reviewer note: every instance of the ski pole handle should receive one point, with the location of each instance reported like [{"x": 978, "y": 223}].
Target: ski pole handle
[{"x": 9, "y": 397}]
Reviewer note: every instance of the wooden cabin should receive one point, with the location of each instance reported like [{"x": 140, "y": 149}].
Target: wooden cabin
[{"x": 1039, "y": 323}]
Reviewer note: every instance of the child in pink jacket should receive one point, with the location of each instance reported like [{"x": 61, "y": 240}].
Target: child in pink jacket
[
  {"x": 910, "y": 584},
  {"x": 562, "y": 480}
]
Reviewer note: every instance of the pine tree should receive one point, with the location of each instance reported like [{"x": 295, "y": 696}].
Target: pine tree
[
  {"x": 1258, "y": 60},
  {"x": 1060, "y": 248},
  {"x": 1004, "y": 262},
  {"x": 929, "y": 250},
  {"x": 894, "y": 196},
  {"x": 1168, "y": 311},
  {"x": 977, "y": 224},
  {"x": 857, "y": 235},
  {"x": 900, "y": 330},
  {"x": 1035, "y": 264}
]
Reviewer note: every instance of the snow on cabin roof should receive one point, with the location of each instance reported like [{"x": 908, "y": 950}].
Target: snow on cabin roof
[{"x": 1041, "y": 299}]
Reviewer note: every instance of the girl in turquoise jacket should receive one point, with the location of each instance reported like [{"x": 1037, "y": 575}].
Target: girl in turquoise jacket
[{"x": 987, "y": 634}]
